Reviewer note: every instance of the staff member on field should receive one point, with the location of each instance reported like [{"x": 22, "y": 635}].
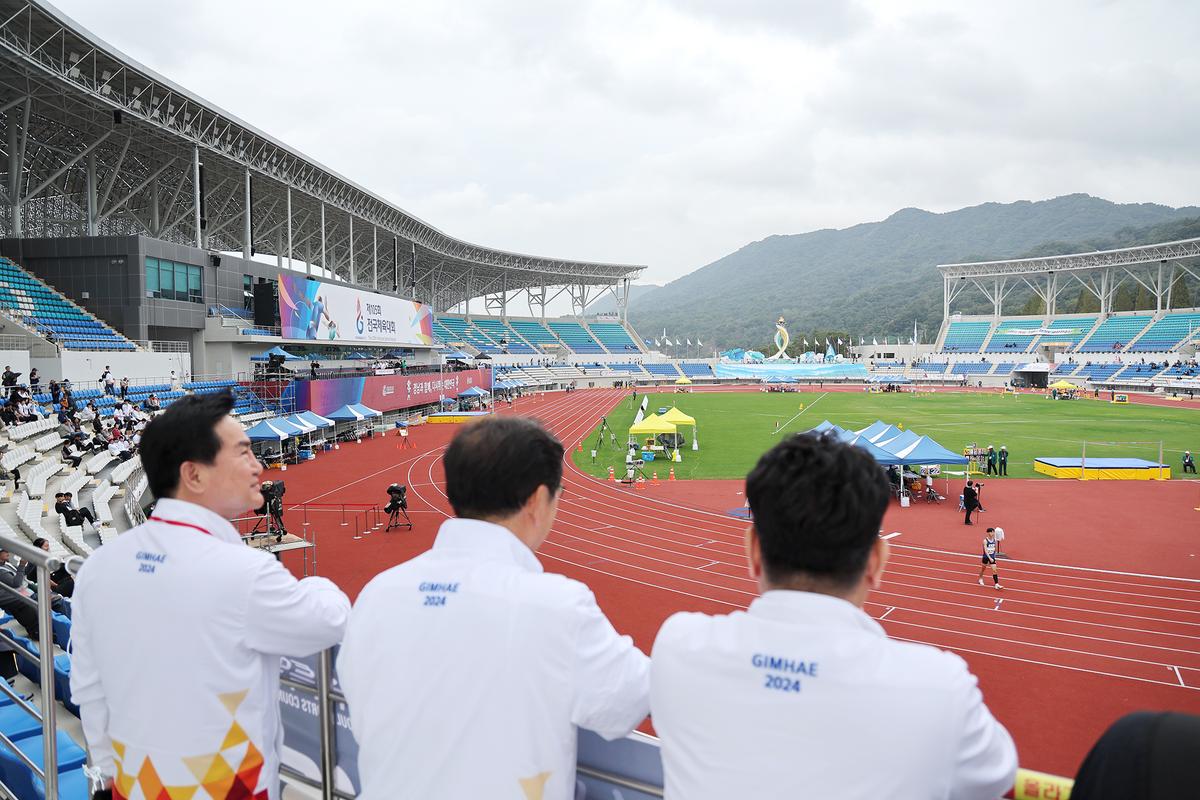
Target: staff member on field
[
  {"x": 991, "y": 547},
  {"x": 178, "y": 626},
  {"x": 803, "y": 694},
  {"x": 468, "y": 669}
]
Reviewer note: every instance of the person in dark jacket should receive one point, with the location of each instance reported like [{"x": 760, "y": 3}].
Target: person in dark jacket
[{"x": 970, "y": 501}]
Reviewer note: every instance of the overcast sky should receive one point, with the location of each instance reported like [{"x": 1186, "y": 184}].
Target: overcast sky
[{"x": 672, "y": 132}]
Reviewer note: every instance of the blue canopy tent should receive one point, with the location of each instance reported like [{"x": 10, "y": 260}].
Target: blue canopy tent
[
  {"x": 347, "y": 413},
  {"x": 875, "y": 428},
  {"x": 455, "y": 355},
  {"x": 824, "y": 426},
  {"x": 474, "y": 391},
  {"x": 271, "y": 430},
  {"x": 369, "y": 412},
  {"x": 298, "y": 422},
  {"x": 878, "y": 453},
  {"x": 895, "y": 443},
  {"x": 313, "y": 418},
  {"x": 926, "y": 451},
  {"x": 275, "y": 351}
]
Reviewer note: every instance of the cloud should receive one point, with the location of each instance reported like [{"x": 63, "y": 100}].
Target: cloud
[{"x": 672, "y": 132}]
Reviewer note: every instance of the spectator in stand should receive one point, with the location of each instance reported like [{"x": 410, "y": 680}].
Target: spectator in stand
[
  {"x": 72, "y": 454},
  {"x": 35, "y": 380},
  {"x": 109, "y": 381},
  {"x": 55, "y": 391},
  {"x": 15, "y": 598},
  {"x": 124, "y": 387},
  {"x": 64, "y": 503},
  {"x": 9, "y": 377},
  {"x": 152, "y": 405},
  {"x": 805, "y": 665}
]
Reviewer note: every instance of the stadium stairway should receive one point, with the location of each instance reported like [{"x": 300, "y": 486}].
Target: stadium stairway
[{"x": 50, "y": 314}]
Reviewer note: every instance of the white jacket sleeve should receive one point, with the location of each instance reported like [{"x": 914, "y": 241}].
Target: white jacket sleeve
[
  {"x": 87, "y": 691},
  {"x": 290, "y": 617},
  {"x": 986, "y": 764},
  {"x": 611, "y": 677}
]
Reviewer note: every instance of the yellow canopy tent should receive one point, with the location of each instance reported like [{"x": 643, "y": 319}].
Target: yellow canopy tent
[
  {"x": 677, "y": 417},
  {"x": 652, "y": 426},
  {"x": 1062, "y": 385},
  {"x": 682, "y": 381}
]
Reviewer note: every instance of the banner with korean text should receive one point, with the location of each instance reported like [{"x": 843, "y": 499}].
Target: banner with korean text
[
  {"x": 311, "y": 309},
  {"x": 387, "y": 392}
]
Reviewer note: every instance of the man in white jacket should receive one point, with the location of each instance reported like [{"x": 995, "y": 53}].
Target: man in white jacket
[
  {"x": 178, "y": 626},
  {"x": 803, "y": 694},
  {"x": 468, "y": 669}
]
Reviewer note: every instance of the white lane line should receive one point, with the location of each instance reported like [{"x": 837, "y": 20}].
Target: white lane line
[
  {"x": 709, "y": 564},
  {"x": 889, "y": 610},
  {"x": 1180, "y": 677},
  {"x": 891, "y": 535},
  {"x": 1065, "y": 566},
  {"x": 781, "y": 428}
]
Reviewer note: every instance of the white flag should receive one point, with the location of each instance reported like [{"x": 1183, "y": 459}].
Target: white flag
[
  {"x": 805, "y": 342},
  {"x": 840, "y": 341},
  {"x": 874, "y": 341},
  {"x": 827, "y": 344},
  {"x": 656, "y": 343},
  {"x": 911, "y": 340},
  {"x": 689, "y": 342},
  {"x": 699, "y": 343}
]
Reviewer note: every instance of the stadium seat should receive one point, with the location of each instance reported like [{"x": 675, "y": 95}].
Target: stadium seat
[
  {"x": 1115, "y": 333},
  {"x": 1011, "y": 336},
  {"x": 965, "y": 337},
  {"x": 1168, "y": 333}
]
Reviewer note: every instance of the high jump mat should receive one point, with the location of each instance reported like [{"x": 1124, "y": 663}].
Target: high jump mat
[
  {"x": 452, "y": 417},
  {"x": 1103, "y": 469}
]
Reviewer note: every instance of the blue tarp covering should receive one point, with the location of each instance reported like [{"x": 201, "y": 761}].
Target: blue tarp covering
[
  {"x": 346, "y": 413},
  {"x": 313, "y": 418},
  {"x": 893, "y": 444},
  {"x": 875, "y": 428},
  {"x": 878, "y": 453},
  {"x": 369, "y": 412},
  {"x": 886, "y": 433},
  {"x": 771, "y": 369}
]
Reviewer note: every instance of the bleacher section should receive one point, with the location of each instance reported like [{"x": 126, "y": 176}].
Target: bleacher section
[
  {"x": 614, "y": 337},
  {"x": 1004, "y": 340},
  {"x": 972, "y": 368},
  {"x": 52, "y": 315},
  {"x": 1167, "y": 333},
  {"x": 1005, "y": 368},
  {"x": 1066, "y": 331},
  {"x": 576, "y": 337},
  {"x": 534, "y": 332},
  {"x": 497, "y": 330},
  {"x": 1098, "y": 372},
  {"x": 665, "y": 370},
  {"x": 459, "y": 330},
  {"x": 697, "y": 370},
  {"x": 1115, "y": 333},
  {"x": 965, "y": 337}
]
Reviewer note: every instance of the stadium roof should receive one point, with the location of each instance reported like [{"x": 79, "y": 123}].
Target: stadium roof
[{"x": 98, "y": 144}]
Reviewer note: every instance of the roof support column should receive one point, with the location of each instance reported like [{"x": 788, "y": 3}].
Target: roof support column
[
  {"x": 1158, "y": 289},
  {"x": 90, "y": 179},
  {"x": 17, "y": 136},
  {"x": 289, "y": 226},
  {"x": 196, "y": 195},
  {"x": 155, "y": 215},
  {"x": 247, "y": 232},
  {"x": 323, "y": 262},
  {"x": 353, "y": 271},
  {"x": 375, "y": 257}
]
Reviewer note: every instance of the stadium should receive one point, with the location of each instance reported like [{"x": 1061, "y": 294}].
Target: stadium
[{"x": 154, "y": 246}]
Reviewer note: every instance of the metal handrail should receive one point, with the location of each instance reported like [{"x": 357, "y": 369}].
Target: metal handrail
[{"x": 45, "y": 564}]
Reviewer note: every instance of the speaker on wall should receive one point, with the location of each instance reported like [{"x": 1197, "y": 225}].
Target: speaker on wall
[{"x": 266, "y": 306}]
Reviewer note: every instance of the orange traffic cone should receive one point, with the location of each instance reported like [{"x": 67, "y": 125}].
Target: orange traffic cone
[
  {"x": 671, "y": 476},
  {"x": 612, "y": 476},
  {"x": 638, "y": 484},
  {"x": 654, "y": 479},
  {"x": 579, "y": 448}
]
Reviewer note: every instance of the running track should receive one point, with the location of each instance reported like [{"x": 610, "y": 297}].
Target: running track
[{"x": 1060, "y": 653}]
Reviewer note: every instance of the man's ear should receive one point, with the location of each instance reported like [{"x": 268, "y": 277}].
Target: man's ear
[
  {"x": 753, "y": 554},
  {"x": 877, "y": 563}
]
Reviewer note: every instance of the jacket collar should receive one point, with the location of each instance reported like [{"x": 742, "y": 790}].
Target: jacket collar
[
  {"x": 783, "y": 605},
  {"x": 485, "y": 541},
  {"x": 192, "y": 515}
]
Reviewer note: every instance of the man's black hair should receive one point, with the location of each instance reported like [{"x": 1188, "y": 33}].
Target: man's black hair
[
  {"x": 186, "y": 431},
  {"x": 493, "y": 466},
  {"x": 817, "y": 504}
]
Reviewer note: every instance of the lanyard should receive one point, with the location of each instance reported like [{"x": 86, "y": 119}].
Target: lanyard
[{"x": 181, "y": 524}]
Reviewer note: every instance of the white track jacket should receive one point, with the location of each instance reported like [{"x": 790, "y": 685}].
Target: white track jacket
[{"x": 176, "y": 637}]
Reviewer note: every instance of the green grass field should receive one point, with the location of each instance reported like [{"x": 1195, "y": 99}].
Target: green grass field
[{"x": 734, "y": 429}]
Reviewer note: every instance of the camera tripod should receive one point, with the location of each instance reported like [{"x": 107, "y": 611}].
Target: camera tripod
[
  {"x": 274, "y": 523},
  {"x": 394, "y": 519}
]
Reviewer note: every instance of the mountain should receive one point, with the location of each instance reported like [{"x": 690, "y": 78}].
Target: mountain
[
  {"x": 607, "y": 304},
  {"x": 877, "y": 278}
]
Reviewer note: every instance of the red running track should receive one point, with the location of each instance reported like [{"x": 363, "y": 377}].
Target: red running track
[{"x": 1060, "y": 653}]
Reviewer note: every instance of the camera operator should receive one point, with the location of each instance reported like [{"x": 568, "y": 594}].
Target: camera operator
[
  {"x": 220, "y": 614},
  {"x": 397, "y": 506},
  {"x": 272, "y": 507}
]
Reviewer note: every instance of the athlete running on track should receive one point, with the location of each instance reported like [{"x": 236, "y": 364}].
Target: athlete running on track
[{"x": 990, "y": 547}]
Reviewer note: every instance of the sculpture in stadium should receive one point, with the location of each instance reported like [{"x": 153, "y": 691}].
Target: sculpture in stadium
[{"x": 781, "y": 340}]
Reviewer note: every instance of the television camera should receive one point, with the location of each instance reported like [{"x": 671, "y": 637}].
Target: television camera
[
  {"x": 397, "y": 507},
  {"x": 271, "y": 511}
]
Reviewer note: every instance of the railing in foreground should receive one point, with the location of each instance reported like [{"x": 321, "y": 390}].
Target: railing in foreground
[
  {"x": 324, "y": 755},
  {"x": 44, "y": 658}
]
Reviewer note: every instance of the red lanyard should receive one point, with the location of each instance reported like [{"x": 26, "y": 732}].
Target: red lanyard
[{"x": 181, "y": 524}]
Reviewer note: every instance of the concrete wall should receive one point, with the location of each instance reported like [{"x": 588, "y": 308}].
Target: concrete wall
[
  {"x": 82, "y": 366},
  {"x": 20, "y": 362}
]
